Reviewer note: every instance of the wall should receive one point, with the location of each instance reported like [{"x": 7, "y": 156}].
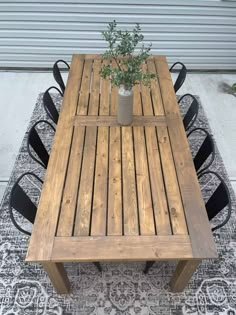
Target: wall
[{"x": 202, "y": 34}]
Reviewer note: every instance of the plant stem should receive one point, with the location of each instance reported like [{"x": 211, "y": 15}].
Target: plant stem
[{"x": 116, "y": 61}]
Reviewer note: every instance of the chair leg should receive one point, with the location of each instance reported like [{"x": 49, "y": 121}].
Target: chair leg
[
  {"x": 98, "y": 266},
  {"x": 149, "y": 264}
]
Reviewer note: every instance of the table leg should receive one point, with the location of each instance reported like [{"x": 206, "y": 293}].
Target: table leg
[
  {"x": 183, "y": 274},
  {"x": 58, "y": 276}
]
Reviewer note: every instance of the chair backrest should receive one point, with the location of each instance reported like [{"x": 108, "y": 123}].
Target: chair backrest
[
  {"x": 49, "y": 105},
  {"x": 181, "y": 77},
  {"x": 21, "y": 202},
  {"x": 192, "y": 112},
  {"x": 35, "y": 142},
  {"x": 57, "y": 74},
  {"x": 218, "y": 200},
  {"x": 206, "y": 150}
]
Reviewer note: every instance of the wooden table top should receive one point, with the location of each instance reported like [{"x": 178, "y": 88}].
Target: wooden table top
[{"x": 120, "y": 193}]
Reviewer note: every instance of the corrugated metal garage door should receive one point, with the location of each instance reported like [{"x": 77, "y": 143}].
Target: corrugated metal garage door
[{"x": 202, "y": 34}]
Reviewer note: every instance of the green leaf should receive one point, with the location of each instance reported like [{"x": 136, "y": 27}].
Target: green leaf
[{"x": 125, "y": 43}]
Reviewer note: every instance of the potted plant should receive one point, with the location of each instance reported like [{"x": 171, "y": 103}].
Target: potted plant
[{"x": 128, "y": 71}]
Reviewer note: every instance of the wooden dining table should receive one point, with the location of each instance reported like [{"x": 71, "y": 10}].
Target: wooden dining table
[{"x": 120, "y": 193}]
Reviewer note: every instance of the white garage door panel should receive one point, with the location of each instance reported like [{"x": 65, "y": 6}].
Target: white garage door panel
[
  {"x": 117, "y": 9},
  {"x": 91, "y": 27},
  {"x": 201, "y": 34}
]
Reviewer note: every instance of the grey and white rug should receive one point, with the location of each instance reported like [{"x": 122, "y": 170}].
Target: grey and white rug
[{"x": 121, "y": 288}]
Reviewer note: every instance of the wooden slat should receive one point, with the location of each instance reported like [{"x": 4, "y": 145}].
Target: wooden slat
[
  {"x": 155, "y": 91},
  {"x": 85, "y": 86},
  {"x": 131, "y": 225},
  {"x": 66, "y": 220},
  {"x": 146, "y": 218},
  {"x": 118, "y": 248},
  {"x": 198, "y": 224},
  {"x": 112, "y": 121},
  {"x": 95, "y": 89},
  {"x": 44, "y": 229},
  {"x": 114, "y": 189},
  {"x": 99, "y": 210},
  {"x": 83, "y": 213},
  {"x": 115, "y": 211},
  {"x": 161, "y": 211},
  {"x": 171, "y": 183},
  {"x": 137, "y": 106}
]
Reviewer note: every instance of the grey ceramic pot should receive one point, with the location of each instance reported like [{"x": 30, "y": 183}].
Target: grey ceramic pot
[{"x": 125, "y": 106}]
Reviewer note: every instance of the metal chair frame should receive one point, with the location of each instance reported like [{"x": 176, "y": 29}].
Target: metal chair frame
[
  {"x": 192, "y": 112},
  {"x": 206, "y": 149},
  {"x": 216, "y": 202},
  {"x": 16, "y": 189},
  {"x": 181, "y": 77},
  {"x": 38, "y": 144},
  {"x": 57, "y": 74},
  {"x": 49, "y": 105}
]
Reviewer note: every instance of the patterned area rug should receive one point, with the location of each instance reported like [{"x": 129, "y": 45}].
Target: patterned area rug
[{"x": 121, "y": 288}]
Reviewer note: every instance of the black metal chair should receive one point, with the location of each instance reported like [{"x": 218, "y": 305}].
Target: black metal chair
[
  {"x": 181, "y": 77},
  {"x": 57, "y": 74},
  {"x": 49, "y": 105},
  {"x": 206, "y": 150},
  {"x": 35, "y": 142},
  {"x": 219, "y": 199},
  {"x": 21, "y": 202},
  {"x": 192, "y": 112}
]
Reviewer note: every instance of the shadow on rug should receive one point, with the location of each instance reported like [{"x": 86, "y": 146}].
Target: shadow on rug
[{"x": 121, "y": 288}]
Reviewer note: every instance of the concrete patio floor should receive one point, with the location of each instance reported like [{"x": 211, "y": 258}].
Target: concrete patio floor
[{"x": 19, "y": 92}]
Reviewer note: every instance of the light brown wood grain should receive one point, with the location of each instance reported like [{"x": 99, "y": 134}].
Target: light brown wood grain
[
  {"x": 85, "y": 87},
  {"x": 115, "y": 219},
  {"x": 69, "y": 198},
  {"x": 94, "y": 101},
  {"x": 58, "y": 276},
  {"x": 198, "y": 224},
  {"x": 118, "y": 248},
  {"x": 44, "y": 229},
  {"x": 146, "y": 218},
  {"x": 171, "y": 183},
  {"x": 183, "y": 274},
  {"x": 85, "y": 195},
  {"x": 155, "y": 168},
  {"x": 68, "y": 206},
  {"x": 155, "y": 90},
  {"x": 161, "y": 211},
  {"x": 99, "y": 207},
  {"x": 137, "y": 106},
  {"x": 131, "y": 224},
  {"x": 111, "y": 121}
]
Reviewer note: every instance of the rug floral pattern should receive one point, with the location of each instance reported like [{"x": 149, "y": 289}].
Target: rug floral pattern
[{"x": 121, "y": 289}]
